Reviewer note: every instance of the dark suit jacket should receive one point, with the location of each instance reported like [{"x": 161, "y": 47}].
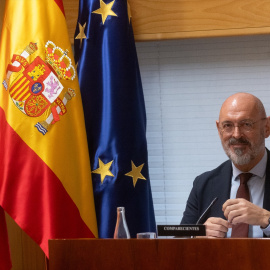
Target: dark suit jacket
[{"x": 216, "y": 183}]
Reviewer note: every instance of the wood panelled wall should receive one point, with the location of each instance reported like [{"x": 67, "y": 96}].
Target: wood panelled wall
[
  {"x": 158, "y": 20},
  {"x": 174, "y": 19}
]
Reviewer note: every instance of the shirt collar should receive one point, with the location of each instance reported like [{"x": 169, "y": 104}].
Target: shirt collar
[{"x": 258, "y": 170}]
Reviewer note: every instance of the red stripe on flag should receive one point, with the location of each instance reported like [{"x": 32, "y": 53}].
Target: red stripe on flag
[
  {"x": 61, "y": 6},
  {"x": 32, "y": 194}
]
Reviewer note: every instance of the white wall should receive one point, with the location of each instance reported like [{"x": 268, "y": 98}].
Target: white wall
[{"x": 185, "y": 82}]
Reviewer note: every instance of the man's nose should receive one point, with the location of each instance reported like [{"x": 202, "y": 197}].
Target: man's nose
[{"x": 237, "y": 132}]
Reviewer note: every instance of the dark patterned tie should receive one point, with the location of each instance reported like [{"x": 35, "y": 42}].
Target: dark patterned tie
[{"x": 241, "y": 229}]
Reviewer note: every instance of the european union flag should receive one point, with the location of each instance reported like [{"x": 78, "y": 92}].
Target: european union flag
[{"x": 115, "y": 116}]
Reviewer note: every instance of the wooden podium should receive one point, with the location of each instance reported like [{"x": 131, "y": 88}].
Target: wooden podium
[{"x": 159, "y": 254}]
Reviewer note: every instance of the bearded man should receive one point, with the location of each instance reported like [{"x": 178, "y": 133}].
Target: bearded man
[{"x": 242, "y": 210}]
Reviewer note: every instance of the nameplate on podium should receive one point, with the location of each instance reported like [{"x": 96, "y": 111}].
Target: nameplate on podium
[{"x": 181, "y": 230}]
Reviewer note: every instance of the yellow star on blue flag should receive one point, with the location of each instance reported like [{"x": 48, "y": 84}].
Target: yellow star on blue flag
[
  {"x": 103, "y": 170},
  {"x": 135, "y": 173},
  {"x": 81, "y": 34},
  {"x": 105, "y": 10}
]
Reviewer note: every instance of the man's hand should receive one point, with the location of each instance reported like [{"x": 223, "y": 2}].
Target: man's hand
[
  {"x": 243, "y": 211},
  {"x": 216, "y": 227}
]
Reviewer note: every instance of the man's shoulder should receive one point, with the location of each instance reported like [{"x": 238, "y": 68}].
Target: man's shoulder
[{"x": 223, "y": 169}]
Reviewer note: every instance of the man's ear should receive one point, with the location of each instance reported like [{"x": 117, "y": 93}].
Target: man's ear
[
  {"x": 267, "y": 127},
  {"x": 217, "y": 125}
]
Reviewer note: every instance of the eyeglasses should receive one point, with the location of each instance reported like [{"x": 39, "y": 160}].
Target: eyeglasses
[{"x": 244, "y": 126}]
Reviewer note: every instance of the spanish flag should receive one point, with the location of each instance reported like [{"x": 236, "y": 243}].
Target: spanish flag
[{"x": 45, "y": 176}]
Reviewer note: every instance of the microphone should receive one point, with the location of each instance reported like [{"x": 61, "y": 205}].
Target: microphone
[{"x": 204, "y": 214}]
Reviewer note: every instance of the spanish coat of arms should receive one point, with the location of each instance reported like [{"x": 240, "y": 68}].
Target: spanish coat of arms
[{"x": 36, "y": 87}]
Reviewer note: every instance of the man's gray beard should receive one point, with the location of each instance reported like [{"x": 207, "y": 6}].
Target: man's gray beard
[{"x": 237, "y": 156}]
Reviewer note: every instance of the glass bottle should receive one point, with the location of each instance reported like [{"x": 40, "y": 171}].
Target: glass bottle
[{"x": 121, "y": 228}]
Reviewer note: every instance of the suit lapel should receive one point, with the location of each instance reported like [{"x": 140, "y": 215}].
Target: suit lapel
[
  {"x": 221, "y": 186},
  {"x": 266, "y": 201}
]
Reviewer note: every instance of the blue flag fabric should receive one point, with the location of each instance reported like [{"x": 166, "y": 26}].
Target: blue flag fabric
[{"x": 115, "y": 115}]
